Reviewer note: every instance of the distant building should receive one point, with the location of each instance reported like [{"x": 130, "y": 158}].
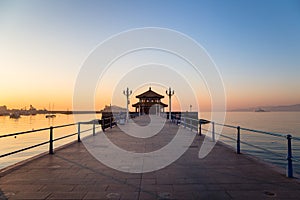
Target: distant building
[
  {"x": 115, "y": 109},
  {"x": 3, "y": 108},
  {"x": 149, "y": 103},
  {"x": 32, "y": 108}
]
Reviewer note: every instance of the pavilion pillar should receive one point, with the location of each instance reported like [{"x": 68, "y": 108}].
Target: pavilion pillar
[
  {"x": 139, "y": 110},
  {"x": 159, "y": 109}
]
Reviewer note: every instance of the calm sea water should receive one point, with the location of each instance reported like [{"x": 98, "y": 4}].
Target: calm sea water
[
  {"x": 279, "y": 122},
  {"x": 27, "y": 123}
]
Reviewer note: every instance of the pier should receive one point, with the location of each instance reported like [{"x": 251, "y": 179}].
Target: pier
[{"x": 71, "y": 172}]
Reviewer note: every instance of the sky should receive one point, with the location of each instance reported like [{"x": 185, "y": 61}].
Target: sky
[{"x": 254, "y": 44}]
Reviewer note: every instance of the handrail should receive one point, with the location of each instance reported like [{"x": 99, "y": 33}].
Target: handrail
[
  {"x": 265, "y": 132},
  {"x": 51, "y": 128},
  {"x": 65, "y": 125},
  {"x": 252, "y": 145},
  {"x": 63, "y": 137},
  {"x": 187, "y": 122},
  {"x": 254, "y": 130},
  {"x": 296, "y": 138},
  {"x": 226, "y": 125},
  {"x": 24, "y": 149},
  {"x": 23, "y": 132},
  {"x": 35, "y": 130},
  {"x": 264, "y": 149}
]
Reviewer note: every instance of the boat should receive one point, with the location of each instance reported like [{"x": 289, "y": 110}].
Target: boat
[
  {"x": 14, "y": 115},
  {"x": 50, "y": 116},
  {"x": 32, "y": 110},
  {"x": 259, "y": 110}
]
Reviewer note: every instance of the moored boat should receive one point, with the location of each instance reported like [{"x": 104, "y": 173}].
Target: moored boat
[
  {"x": 260, "y": 110},
  {"x": 50, "y": 116},
  {"x": 14, "y": 115}
]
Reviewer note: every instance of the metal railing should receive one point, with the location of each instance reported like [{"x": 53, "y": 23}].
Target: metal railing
[
  {"x": 104, "y": 123},
  {"x": 187, "y": 122},
  {"x": 196, "y": 124}
]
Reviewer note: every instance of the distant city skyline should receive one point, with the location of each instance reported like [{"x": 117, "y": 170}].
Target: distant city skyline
[{"x": 255, "y": 45}]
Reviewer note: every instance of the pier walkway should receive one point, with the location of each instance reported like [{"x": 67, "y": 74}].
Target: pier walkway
[{"x": 72, "y": 173}]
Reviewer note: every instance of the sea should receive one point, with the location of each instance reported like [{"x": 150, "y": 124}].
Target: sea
[
  {"x": 34, "y": 122},
  {"x": 271, "y": 149}
]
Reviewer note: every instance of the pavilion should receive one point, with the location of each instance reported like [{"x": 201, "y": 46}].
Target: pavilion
[{"x": 149, "y": 103}]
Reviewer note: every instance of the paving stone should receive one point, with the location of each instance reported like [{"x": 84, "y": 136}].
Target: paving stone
[
  {"x": 29, "y": 195},
  {"x": 67, "y": 195}
]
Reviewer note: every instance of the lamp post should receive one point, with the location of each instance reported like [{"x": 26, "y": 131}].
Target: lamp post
[
  {"x": 170, "y": 93},
  {"x": 127, "y": 93},
  {"x": 190, "y": 108}
]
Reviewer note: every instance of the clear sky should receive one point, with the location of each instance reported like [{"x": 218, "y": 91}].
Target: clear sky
[{"x": 255, "y": 44}]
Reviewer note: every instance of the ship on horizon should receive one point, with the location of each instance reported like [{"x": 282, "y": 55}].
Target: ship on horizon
[{"x": 260, "y": 110}]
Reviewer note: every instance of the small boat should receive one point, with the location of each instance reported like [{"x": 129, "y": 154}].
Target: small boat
[
  {"x": 14, "y": 115},
  {"x": 259, "y": 110},
  {"x": 50, "y": 116}
]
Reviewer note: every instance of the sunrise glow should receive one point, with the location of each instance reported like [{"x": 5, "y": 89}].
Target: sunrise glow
[{"x": 44, "y": 45}]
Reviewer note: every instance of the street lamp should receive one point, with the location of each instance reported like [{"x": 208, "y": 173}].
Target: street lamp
[
  {"x": 127, "y": 93},
  {"x": 170, "y": 93}
]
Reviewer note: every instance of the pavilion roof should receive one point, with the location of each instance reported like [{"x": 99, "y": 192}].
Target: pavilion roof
[{"x": 149, "y": 94}]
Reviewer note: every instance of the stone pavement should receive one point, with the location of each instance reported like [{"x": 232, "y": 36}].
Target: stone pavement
[{"x": 72, "y": 173}]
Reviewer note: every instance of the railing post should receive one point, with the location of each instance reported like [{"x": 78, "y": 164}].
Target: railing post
[
  {"x": 94, "y": 128},
  {"x": 213, "y": 131},
  {"x": 200, "y": 128},
  {"x": 289, "y": 157},
  {"x": 78, "y": 134},
  {"x": 238, "y": 140},
  {"x": 184, "y": 122},
  {"x": 103, "y": 124},
  {"x": 51, "y": 141},
  {"x": 110, "y": 122}
]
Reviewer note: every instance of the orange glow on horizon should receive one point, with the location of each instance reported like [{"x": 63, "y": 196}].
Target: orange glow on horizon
[{"x": 63, "y": 99}]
